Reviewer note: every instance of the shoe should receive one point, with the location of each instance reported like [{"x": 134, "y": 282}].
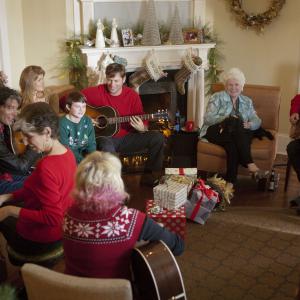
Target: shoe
[
  {"x": 295, "y": 202},
  {"x": 149, "y": 180}
]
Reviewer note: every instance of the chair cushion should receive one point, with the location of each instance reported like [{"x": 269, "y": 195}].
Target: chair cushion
[{"x": 260, "y": 149}]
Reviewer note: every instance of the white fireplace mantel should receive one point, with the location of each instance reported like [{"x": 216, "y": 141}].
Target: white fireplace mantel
[{"x": 169, "y": 57}]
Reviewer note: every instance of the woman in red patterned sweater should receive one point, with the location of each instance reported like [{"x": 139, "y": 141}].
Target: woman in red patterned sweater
[
  {"x": 35, "y": 227},
  {"x": 99, "y": 230}
]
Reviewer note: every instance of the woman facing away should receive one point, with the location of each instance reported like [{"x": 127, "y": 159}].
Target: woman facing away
[
  {"x": 229, "y": 121},
  {"x": 35, "y": 227},
  {"x": 99, "y": 230},
  {"x": 33, "y": 88}
]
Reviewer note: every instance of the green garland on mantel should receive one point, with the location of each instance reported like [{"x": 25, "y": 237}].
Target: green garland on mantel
[
  {"x": 256, "y": 21},
  {"x": 74, "y": 65}
]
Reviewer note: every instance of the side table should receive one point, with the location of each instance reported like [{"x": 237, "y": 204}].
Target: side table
[{"x": 183, "y": 149}]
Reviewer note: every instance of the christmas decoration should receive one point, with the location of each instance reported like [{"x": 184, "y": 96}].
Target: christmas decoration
[
  {"x": 100, "y": 41},
  {"x": 74, "y": 64},
  {"x": 114, "y": 39},
  {"x": 214, "y": 57},
  {"x": 191, "y": 64},
  {"x": 151, "y": 70},
  {"x": 151, "y": 36},
  {"x": 258, "y": 21},
  {"x": 223, "y": 188},
  {"x": 176, "y": 37}
]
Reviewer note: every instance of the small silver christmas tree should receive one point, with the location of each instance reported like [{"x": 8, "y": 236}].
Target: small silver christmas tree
[
  {"x": 151, "y": 36},
  {"x": 176, "y": 36}
]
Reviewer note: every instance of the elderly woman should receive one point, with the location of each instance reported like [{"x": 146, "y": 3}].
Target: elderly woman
[
  {"x": 99, "y": 230},
  {"x": 229, "y": 121},
  {"x": 35, "y": 226}
]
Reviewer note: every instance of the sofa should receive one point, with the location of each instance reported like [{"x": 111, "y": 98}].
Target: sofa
[{"x": 266, "y": 101}]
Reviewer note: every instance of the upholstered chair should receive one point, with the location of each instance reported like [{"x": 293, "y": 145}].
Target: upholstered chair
[
  {"x": 266, "y": 101},
  {"x": 46, "y": 284}
]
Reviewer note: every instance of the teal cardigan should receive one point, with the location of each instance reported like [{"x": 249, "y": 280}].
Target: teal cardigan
[{"x": 220, "y": 107}]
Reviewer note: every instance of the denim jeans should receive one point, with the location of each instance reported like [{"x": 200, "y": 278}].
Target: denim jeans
[{"x": 7, "y": 187}]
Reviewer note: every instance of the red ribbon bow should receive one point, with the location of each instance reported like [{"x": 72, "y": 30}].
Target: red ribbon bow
[{"x": 207, "y": 191}]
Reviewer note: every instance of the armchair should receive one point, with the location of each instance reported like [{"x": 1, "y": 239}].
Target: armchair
[
  {"x": 266, "y": 100},
  {"x": 42, "y": 283}
]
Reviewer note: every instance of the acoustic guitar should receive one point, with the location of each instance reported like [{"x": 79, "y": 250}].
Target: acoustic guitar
[
  {"x": 107, "y": 122},
  {"x": 156, "y": 273}
]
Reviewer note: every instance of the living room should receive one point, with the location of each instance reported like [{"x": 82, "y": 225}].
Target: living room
[{"x": 34, "y": 33}]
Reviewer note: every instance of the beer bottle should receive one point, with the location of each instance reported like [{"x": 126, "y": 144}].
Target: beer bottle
[{"x": 272, "y": 181}]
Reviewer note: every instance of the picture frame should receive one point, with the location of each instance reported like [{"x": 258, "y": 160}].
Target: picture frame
[
  {"x": 127, "y": 37},
  {"x": 191, "y": 36}
]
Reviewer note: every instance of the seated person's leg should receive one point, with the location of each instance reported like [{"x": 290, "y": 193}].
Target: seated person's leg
[
  {"x": 9, "y": 185},
  {"x": 153, "y": 141},
  {"x": 232, "y": 162},
  {"x": 242, "y": 139},
  {"x": 106, "y": 144},
  {"x": 293, "y": 151}
]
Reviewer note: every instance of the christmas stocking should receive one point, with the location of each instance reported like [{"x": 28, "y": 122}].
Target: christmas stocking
[
  {"x": 151, "y": 70},
  {"x": 191, "y": 64}
]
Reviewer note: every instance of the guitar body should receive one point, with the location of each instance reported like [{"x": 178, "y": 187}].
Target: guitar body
[
  {"x": 107, "y": 122},
  {"x": 100, "y": 116},
  {"x": 156, "y": 273}
]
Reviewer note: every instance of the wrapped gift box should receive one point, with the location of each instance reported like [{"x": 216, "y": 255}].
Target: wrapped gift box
[
  {"x": 202, "y": 201},
  {"x": 182, "y": 171},
  {"x": 174, "y": 220},
  {"x": 170, "y": 194}
]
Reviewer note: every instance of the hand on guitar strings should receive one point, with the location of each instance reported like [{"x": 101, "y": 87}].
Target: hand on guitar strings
[{"x": 137, "y": 123}]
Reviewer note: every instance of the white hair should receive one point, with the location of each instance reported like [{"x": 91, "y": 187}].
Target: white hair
[{"x": 234, "y": 73}]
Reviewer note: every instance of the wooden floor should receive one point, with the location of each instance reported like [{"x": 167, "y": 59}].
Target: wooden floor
[{"x": 246, "y": 194}]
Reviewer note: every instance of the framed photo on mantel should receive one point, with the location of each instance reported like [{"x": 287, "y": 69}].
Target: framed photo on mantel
[
  {"x": 127, "y": 37},
  {"x": 191, "y": 36}
]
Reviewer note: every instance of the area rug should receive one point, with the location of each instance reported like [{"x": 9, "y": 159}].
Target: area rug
[{"x": 243, "y": 253}]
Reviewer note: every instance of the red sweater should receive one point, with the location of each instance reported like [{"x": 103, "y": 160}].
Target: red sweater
[
  {"x": 46, "y": 198},
  {"x": 295, "y": 105},
  {"x": 100, "y": 246},
  {"x": 128, "y": 103}
]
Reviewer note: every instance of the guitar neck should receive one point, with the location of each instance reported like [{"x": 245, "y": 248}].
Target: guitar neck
[{"x": 126, "y": 119}]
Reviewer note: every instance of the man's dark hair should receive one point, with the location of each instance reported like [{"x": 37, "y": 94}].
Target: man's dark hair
[
  {"x": 113, "y": 69},
  {"x": 7, "y": 93}
]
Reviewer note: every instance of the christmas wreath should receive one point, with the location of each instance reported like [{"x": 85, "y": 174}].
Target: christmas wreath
[{"x": 257, "y": 21}]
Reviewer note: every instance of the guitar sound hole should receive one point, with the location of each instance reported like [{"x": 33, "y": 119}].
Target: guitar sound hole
[{"x": 102, "y": 122}]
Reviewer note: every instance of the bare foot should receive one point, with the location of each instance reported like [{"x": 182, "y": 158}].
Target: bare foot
[{"x": 252, "y": 167}]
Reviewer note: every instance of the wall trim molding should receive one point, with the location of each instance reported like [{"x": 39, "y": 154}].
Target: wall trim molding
[
  {"x": 283, "y": 140},
  {"x": 5, "y": 62}
]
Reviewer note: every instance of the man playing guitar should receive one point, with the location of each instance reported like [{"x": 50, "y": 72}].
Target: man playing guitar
[
  {"x": 133, "y": 136},
  {"x": 13, "y": 167}
]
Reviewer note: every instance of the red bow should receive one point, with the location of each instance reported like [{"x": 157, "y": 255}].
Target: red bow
[{"x": 205, "y": 189}]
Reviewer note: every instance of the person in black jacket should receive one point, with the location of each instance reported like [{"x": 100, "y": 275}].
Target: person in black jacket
[{"x": 13, "y": 167}]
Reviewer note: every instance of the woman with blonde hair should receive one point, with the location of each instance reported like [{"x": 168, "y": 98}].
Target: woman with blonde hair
[
  {"x": 229, "y": 121},
  {"x": 32, "y": 85},
  {"x": 99, "y": 230}
]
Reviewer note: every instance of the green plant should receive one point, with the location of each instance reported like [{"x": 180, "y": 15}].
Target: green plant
[
  {"x": 8, "y": 292},
  {"x": 215, "y": 57},
  {"x": 74, "y": 64}
]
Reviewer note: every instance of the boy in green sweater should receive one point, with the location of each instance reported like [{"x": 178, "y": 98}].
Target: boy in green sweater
[{"x": 75, "y": 129}]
